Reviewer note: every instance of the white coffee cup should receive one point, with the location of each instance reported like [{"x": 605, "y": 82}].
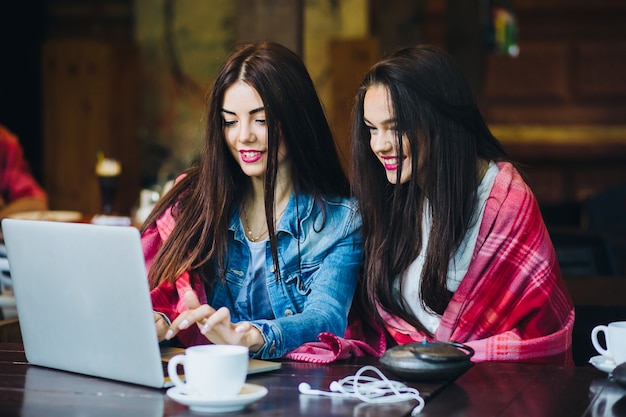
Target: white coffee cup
[
  {"x": 615, "y": 337},
  {"x": 212, "y": 372}
]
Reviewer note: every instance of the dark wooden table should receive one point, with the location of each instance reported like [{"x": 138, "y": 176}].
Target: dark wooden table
[{"x": 487, "y": 389}]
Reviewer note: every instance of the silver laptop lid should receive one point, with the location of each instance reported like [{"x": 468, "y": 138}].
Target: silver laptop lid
[{"x": 83, "y": 299}]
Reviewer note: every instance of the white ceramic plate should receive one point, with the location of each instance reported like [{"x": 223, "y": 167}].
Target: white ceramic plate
[
  {"x": 50, "y": 215},
  {"x": 249, "y": 393},
  {"x": 603, "y": 363}
]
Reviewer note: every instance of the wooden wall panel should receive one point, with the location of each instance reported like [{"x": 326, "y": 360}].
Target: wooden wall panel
[
  {"x": 561, "y": 5},
  {"x": 89, "y": 105},
  {"x": 567, "y": 164},
  {"x": 569, "y": 70},
  {"x": 277, "y": 20},
  {"x": 548, "y": 185},
  {"x": 351, "y": 58},
  {"x": 539, "y": 73},
  {"x": 599, "y": 68},
  {"x": 560, "y": 107}
]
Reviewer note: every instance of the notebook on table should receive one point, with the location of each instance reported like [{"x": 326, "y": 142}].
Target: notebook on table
[{"x": 83, "y": 301}]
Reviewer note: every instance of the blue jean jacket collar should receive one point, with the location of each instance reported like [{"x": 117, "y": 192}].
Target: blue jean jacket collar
[{"x": 288, "y": 222}]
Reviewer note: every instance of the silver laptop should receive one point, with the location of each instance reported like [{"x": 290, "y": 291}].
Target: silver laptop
[{"x": 83, "y": 301}]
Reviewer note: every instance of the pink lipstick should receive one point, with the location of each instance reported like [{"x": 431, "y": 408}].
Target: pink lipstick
[{"x": 250, "y": 156}]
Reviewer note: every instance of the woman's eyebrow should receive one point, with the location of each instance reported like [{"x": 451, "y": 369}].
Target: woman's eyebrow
[
  {"x": 385, "y": 123},
  {"x": 253, "y": 111}
]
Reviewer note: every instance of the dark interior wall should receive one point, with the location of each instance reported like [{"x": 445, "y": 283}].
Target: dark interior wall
[
  {"x": 569, "y": 72},
  {"x": 61, "y": 122},
  {"x": 570, "y": 67},
  {"x": 25, "y": 25},
  {"x": 21, "y": 35}
]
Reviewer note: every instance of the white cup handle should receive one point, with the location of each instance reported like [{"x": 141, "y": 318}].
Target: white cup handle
[
  {"x": 594, "y": 339},
  {"x": 172, "y": 370}
]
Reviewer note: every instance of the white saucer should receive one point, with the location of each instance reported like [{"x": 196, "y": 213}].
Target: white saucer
[
  {"x": 249, "y": 393},
  {"x": 603, "y": 363}
]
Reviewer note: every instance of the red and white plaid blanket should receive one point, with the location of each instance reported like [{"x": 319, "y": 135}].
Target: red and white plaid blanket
[{"x": 512, "y": 304}]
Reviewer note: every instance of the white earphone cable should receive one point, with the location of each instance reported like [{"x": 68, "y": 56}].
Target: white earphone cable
[{"x": 368, "y": 389}]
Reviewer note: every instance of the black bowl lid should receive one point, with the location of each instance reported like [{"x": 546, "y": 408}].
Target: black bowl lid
[{"x": 433, "y": 351}]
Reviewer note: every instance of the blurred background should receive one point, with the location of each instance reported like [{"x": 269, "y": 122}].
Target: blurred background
[{"x": 129, "y": 78}]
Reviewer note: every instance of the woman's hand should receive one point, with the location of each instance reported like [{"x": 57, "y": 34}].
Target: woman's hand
[
  {"x": 161, "y": 326},
  {"x": 215, "y": 325}
]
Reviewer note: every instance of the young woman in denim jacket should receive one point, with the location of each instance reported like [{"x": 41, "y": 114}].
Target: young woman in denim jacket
[{"x": 259, "y": 244}]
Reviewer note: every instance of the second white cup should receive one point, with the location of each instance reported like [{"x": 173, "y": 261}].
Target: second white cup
[
  {"x": 212, "y": 372},
  {"x": 615, "y": 336}
]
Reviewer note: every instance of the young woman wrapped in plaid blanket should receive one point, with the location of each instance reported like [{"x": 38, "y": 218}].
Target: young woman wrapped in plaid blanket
[{"x": 455, "y": 248}]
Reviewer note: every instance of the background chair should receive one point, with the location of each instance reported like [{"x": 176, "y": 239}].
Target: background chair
[
  {"x": 584, "y": 253},
  {"x": 605, "y": 214},
  {"x": 592, "y": 257},
  {"x": 606, "y": 211}
]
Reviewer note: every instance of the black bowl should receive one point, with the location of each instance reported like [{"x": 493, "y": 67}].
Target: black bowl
[
  {"x": 619, "y": 374},
  {"x": 428, "y": 361}
]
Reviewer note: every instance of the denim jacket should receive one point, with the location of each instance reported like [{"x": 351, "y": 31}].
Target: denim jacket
[{"x": 318, "y": 275}]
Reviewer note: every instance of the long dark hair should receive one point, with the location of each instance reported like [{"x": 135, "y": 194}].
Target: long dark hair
[
  {"x": 205, "y": 199},
  {"x": 435, "y": 110}
]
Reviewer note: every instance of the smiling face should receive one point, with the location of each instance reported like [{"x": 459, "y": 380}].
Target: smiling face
[
  {"x": 245, "y": 129},
  {"x": 380, "y": 120}
]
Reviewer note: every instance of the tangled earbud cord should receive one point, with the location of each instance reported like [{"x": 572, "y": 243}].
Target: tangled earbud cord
[{"x": 369, "y": 389}]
